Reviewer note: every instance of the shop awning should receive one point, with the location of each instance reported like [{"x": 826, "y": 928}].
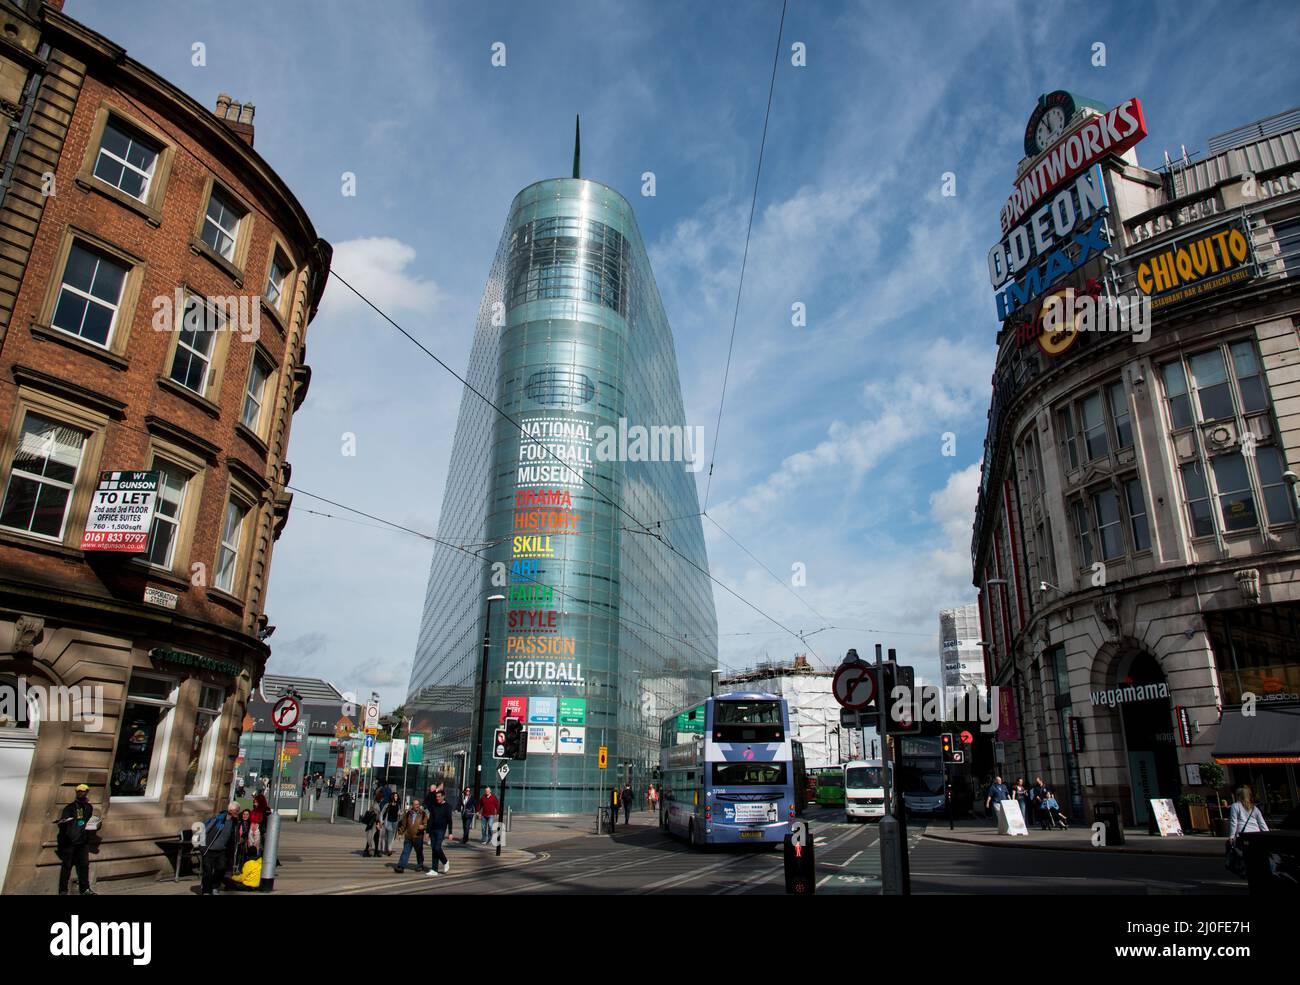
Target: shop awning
[{"x": 1270, "y": 735}]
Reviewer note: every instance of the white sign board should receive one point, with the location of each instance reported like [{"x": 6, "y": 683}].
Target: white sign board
[
  {"x": 572, "y": 740},
  {"x": 503, "y": 770},
  {"x": 156, "y": 596},
  {"x": 541, "y": 740},
  {"x": 1010, "y": 820},
  {"x": 397, "y": 754},
  {"x": 1166, "y": 818},
  {"x": 1193, "y": 771},
  {"x": 372, "y": 716},
  {"x": 121, "y": 512}
]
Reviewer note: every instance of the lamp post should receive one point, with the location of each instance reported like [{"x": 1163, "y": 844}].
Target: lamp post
[{"x": 480, "y": 712}]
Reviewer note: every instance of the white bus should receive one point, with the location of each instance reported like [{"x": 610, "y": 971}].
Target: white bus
[{"x": 864, "y": 790}]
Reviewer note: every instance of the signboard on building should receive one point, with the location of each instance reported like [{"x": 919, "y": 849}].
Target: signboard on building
[
  {"x": 541, "y": 740},
  {"x": 121, "y": 512},
  {"x": 157, "y": 596},
  {"x": 514, "y": 707},
  {"x": 1196, "y": 265},
  {"x": 573, "y": 711},
  {"x": 572, "y": 740},
  {"x": 543, "y": 711},
  {"x": 416, "y": 750},
  {"x": 1008, "y": 723}
]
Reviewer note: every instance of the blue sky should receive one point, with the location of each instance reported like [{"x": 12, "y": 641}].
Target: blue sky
[{"x": 830, "y": 451}]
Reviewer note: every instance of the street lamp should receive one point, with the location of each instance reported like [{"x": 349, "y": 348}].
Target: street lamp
[{"x": 481, "y": 711}]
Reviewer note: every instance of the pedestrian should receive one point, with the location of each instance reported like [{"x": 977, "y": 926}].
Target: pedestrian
[
  {"x": 615, "y": 795},
  {"x": 628, "y": 796},
  {"x": 371, "y": 820},
  {"x": 219, "y": 834},
  {"x": 72, "y": 846},
  {"x": 1244, "y": 816},
  {"x": 1036, "y": 794},
  {"x": 260, "y": 809},
  {"x": 468, "y": 807},
  {"x": 382, "y": 796},
  {"x": 1051, "y": 812},
  {"x": 247, "y": 842},
  {"x": 414, "y": 820},
  {"x": 440, "y": 824},
  {"x": 391, "y": 817},
  {"x": 1021, "y": 794},
  {"x": 997, "y": 793},
  {"x": 488, "y": 806}
]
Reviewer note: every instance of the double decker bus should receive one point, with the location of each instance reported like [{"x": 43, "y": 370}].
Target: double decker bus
[{"x": 728, "y": 771}]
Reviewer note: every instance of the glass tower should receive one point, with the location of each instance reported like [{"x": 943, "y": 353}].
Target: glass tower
[{"x": 579, "y": 508}]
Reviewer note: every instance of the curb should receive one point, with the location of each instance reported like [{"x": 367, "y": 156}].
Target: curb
[{"x": 1115, "y": 849}]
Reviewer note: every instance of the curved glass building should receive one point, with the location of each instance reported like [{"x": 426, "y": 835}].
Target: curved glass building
[{"x": 577, "y": 506}]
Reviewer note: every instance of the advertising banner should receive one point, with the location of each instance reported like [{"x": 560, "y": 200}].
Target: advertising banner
[
  {"x": 543, "y": 711},
  {"x": 381, "y": 755},
  {"x": 396, "y": 752},
  {"x": 121, "y": 512},
  {"x": 541, "y": 740},
  {"x": 572, "y": 740},
  {"x": 514, "y": 707},
  {"x": 1166, "y": 818},
  {"x": 416, "y": 752},
  {"x": 1008, "y": 723},
  {"x": 573, "y": 711}
]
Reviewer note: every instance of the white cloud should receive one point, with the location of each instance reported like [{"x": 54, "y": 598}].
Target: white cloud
[
  {"x": 377, "y": 267},
  {"x": 953, "y": 508}
]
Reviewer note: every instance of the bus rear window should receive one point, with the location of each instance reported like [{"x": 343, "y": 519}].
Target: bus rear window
[{"x": 749, "y": 774}]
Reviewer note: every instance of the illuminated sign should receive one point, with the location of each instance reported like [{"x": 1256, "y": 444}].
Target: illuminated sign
[
  {"x": 1195, "y": 266},
  {"x": 1047, "y": 226},
  {"x": 1109, "y": 133},
  {"x": 1083, "y": 246}
]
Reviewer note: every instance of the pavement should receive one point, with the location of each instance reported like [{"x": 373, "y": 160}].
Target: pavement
[{"x": 1078, "y": 838}]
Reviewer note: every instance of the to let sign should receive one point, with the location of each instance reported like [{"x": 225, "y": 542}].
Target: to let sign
[{"x": 121, "y": 512}]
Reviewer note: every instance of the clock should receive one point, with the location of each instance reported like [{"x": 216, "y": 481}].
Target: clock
[{"x": 1048, "y": 121}]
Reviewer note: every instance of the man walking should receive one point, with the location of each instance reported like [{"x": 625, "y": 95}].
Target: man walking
[
  {"x": 414, "y": 820},
  {"x": 488, "y": 807},
  {"x": 71, "y": 847},
  {"x": 627, "y": 804},
  {"x": 997, "y": 793},
  {"x": 1036, "y": 794},
  {"x": 440, "y": 822},
  {"x": 218, "y": 847}
]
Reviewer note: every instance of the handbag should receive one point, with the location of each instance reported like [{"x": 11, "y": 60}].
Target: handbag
[{"x": 1234, "y": 856}]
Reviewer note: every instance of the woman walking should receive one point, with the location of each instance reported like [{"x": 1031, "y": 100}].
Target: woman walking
[{"x": 468, "y": 808}]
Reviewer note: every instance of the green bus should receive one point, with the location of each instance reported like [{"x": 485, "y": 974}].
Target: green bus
[{"x": 829, "y": 791}]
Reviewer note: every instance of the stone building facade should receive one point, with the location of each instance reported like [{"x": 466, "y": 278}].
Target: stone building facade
[
  {"x": 1135, "y": 543},
  {"x": 156, "y": 283}
]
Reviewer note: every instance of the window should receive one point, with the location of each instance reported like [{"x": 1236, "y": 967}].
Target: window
[
  {"x": 1137, "y": 514},
  {"x": 1119, "y": 413},
  {"x": 228, "y": 553},
  {"x": 1180, "y": 408},
  {"x": 1033, "y": 464},
  {"x": 1249, "y": 381},
  {"x": 1069, "y": 442},
  {"x": 1197, "y": 494},
  {"x": 195, "y": 344},
  {"x": 203, "y": 744},
  {"x": 1236, "y": 502},
  {"x": 221, "y": 225},
  {"x": 1210, "y": 378},
  {"x": 126, "y": 161},
  {"x": 165, "y": 532},
  {"x": 1110, "y": 528},
  {"x": 1094, "y": 426},
  {"x": 1083, "y": 530},
  {"x": 142, "y": 737},
  {"x": 90, "y": 295},
  {"x": 255, "y": 394},
  {"x": 1278, "y": 499},
  {"x": 43, "y": 476},
  {"x": 275, "y": 279}
]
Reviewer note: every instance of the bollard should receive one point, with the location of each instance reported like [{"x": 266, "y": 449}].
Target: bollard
[
  {"x": 269, "y": 852},
  {"x": 333, "y": 803},
  {"x": 180, "y": 838},
  {"x": 891, "y": 857}
]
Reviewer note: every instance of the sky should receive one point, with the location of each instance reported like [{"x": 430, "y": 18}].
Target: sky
[{"x": 831, "y": 448}]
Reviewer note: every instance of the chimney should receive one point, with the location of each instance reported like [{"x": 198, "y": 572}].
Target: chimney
[{"x": 237, "y": 116}]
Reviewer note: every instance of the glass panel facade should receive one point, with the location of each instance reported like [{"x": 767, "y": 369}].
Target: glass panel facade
[{"x": 602, "y": 631}]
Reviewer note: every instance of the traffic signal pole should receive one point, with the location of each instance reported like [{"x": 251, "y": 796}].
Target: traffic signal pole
[
  {"x": 891, "y": 874},
  {"x": 904, "y": 864}
]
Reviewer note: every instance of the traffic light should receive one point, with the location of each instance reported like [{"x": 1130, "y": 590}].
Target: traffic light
[
  {"x": 945, "y": 743},
  {"x": 516, "y": 739},
  {"x": 898, "y": 692}
]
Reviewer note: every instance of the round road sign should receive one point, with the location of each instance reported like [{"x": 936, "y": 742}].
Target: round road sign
[
  {"x": 286, "y": 713},
  {"x": 855, "y": 685}
]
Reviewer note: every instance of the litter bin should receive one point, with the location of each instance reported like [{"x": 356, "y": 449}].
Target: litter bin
[
  {"x": 1272, "y": 862},
  {"x": 1107, "y": 812}
]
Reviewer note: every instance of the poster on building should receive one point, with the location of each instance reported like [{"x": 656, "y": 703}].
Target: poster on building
[
  {"x": 381, "y": 755},
  {"x": 541, "y": 740},
  {"x": 1166, "y": 818},
  {"x": 416, "y": 752},
  {"x": 573, "y": 711},
  {"x": 1008, "y": 723},
  {"x": 514, "y": 707},
  {"x": 572, "y": 740},
  {"x": 1196, "y": 265},
  {"x": 543, "y": 711},
  {"x": 121, "y": 512}
]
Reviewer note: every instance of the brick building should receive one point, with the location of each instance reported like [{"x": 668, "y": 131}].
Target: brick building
[{"x": 156, "y": 282}]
